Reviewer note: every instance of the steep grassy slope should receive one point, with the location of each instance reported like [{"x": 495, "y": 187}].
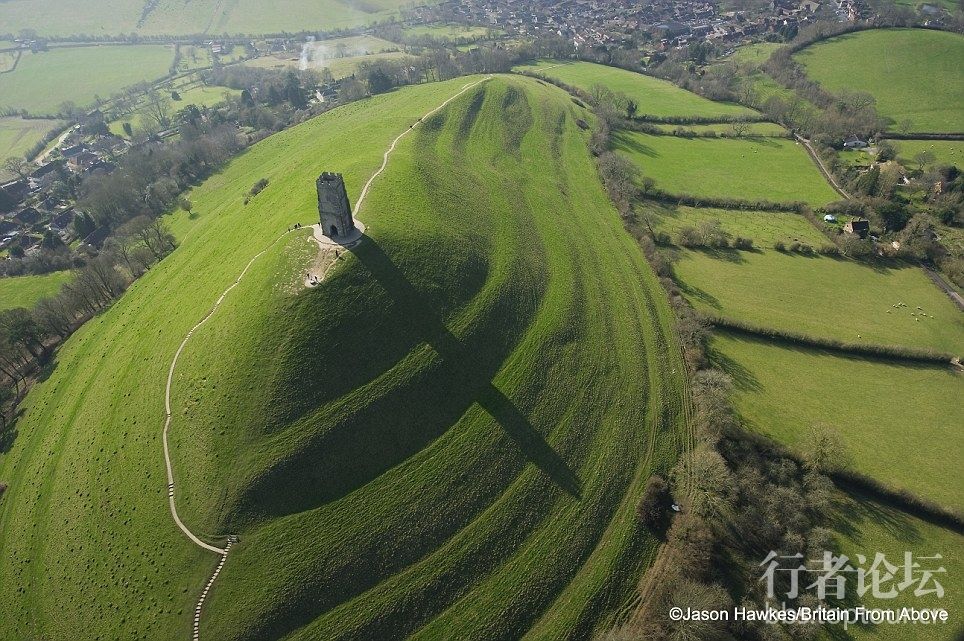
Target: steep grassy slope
[
  {"x": 655, "y": 97},
  {"x": 448, "y": 436},
  {"x": 774, "y": 169},
  {"x": 897, "y": 421},
  {"x": 898, "y": 67}
]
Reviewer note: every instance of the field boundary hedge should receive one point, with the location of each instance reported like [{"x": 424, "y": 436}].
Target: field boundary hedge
[
  {"x": 721, "y": 203},
  {"x": 850, "y": 482},
  {"x": 898, "y": 352},
  {"x": 890, "y": 135}
]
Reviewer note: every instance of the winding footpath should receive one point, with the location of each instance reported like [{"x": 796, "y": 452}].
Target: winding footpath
[{"x": 223, "y": 551}]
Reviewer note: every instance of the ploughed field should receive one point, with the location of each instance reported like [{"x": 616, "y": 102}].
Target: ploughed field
[{"x": 448, "y": 437}]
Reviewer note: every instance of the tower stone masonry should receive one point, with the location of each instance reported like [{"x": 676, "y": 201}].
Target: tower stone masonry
[{"x": 334, "y": 208}]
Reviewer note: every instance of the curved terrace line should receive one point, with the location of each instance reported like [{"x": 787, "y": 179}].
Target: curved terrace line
[{"x": 170, "y": 374}]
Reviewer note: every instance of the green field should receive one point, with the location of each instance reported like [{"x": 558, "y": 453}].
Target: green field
[
  {"x": 450, "y": 31},
  {"x": 18, "y": 136},
  {"x": 25, "y": 291},
  {"x": 898, "y": 67},
  {"x": 755, "y": 53},
  {"x": 200, "y": 95},
  {"x": 763, "y": 227},
  {"x": 826, "y": 297},
  {"x": 469, "y": 406},
  {"x": 752, "y": 129},
  {"x": 752, "y": 168},
  {"x": 655, "y": 97},
  {"x": 897, "y": 421},
  {"x": 865, "y": 527},
  {"x": 43, "y": 81},
  {"x": 946, "y": 152},
  {"x": 176, "y": 17},
  {"x": 343, "y": 56}
]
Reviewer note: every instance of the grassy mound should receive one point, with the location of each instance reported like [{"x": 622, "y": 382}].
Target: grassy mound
[
  {"x": 894, "y": 419},
  {"x": 450, "y": 434},
  {"x": 771, "y": 169},
  {"x": 655, "y": 97},
  {"x": 897, "y": 67}
]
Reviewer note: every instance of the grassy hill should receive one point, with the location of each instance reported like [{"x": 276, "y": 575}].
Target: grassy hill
[
  {"x": 42, "y": 81},
  {"x": 774, "y": 169},
  {"x": 655, "y": 97},
  {"x": 897, "y": 67},
  {"x": 176, "y": 17},
  {"x": 450, "y": 434}
]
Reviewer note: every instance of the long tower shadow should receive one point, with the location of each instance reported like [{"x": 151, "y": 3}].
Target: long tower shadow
[{"x": 390, "y": 428}]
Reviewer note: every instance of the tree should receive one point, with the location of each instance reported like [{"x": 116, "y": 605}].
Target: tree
[
  {"x": 740, "y": 128},
  {"x": 823, "y": 450},
  {"x": 652, "y": 506},
  {"x": 158, "y": 109},
  {"x": 924, "y": 157},
  {"x": 631, "y": 108},
  {"x": 18, "y": 166},
  {"x": 128, "y": 129}
]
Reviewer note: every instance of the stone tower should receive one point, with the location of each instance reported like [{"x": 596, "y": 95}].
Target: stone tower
[{"x": 333, "y": 206}]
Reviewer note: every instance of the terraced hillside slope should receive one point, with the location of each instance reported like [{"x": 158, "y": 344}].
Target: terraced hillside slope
[
  {"x": 448, "y": 437},
  {"x": 899, "y": 67}
]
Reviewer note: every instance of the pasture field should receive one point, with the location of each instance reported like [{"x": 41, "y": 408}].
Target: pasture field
[
  {"x": 176, "y": 17},
  {"x": 339, "y": 67},
  {"x": 752, "y": 129},
  {"x": 897, "y": 421},
  {"x": 763, "y": 227},
  {"x": 754, "y": 54},
  {"x": 897, "y": 67},
  {"x": 655, "y": 97},
  {"x": 19, "y": 135},
  {"x": 200, "y": 95},
  {"x": 453, "y": 32},
  {"x": 825, "y": 297},
  {"x": 469, "y": 405},
  {"x": 753, "y": 168},
  {"x": 946, "y": 152},
  {"x": 864, "y": 526},
  {"x": 43, "y": 81},
  {"x": 25, "y": 291}
]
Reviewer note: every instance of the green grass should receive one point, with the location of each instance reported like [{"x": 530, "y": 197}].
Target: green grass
[
  {"x": 946, "y": 152},
  {"x": 43, "y": 81},
  {"x": 655, "y": 97},
  {"x": 176, "y": 17},
  {"x": 764, "y": 228},
  {"x": 825, "y": 297},
  {"x": 25, "y": 291},
  {"x": 468, "y": 407},
  {"x": 865, "y": 527},
  {"x": 200, "y": 95},
  {"x": 752, "y": 168},
  {"x": 18, "y": 135},
  {"x": 755, "y": 53},
  {"x": 752, "y": 129},
  {"x": 450, "y": 31},
  {"x": 894, "y": 419},
  {"x": 898, "y": 67}
]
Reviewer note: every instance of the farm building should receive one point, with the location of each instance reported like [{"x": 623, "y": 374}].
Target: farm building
[
  {"x": 854, "y": 143},
  {"x": 858, "y": 226}
]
